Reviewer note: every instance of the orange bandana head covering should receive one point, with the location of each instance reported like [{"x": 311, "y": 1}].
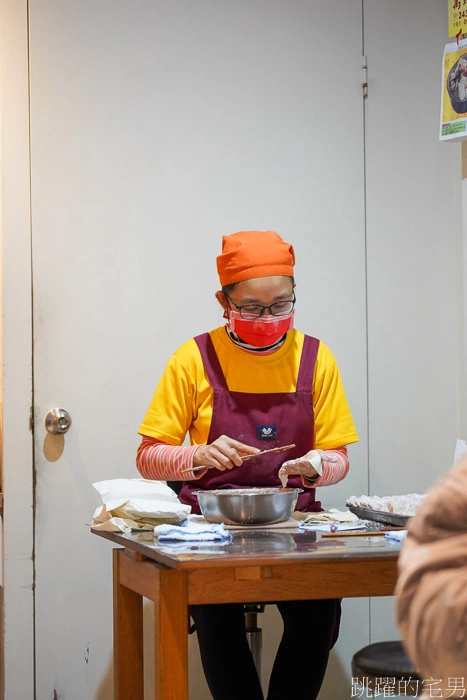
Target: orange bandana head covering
[{"x": 249, "y": 254}]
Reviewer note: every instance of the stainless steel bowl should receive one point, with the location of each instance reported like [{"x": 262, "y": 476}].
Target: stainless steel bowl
[{"x": 260, "y": 506}]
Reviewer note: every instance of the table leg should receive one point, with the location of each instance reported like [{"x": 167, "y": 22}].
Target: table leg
[
  {"x": 128, "y": 638},
  {"x": 171, "y": 636}
]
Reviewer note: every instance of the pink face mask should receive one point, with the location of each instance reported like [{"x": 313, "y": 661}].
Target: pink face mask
[{"x": 260, "y": 332}]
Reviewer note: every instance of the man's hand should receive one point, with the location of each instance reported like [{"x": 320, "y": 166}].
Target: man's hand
[
  {"x": 224, "y": 453},
  {"x": 304, "y": 465}
]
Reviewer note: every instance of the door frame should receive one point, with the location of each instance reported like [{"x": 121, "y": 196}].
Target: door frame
[{"x": 18, "y": 460}]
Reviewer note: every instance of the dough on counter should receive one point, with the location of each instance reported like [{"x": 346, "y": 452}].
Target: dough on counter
[{"x": 405, "y": 504}]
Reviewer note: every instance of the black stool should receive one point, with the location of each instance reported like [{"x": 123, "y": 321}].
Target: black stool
[{"x": 386, "y": 660}]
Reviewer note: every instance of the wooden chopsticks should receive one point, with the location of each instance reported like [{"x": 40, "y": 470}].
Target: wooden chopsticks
[
  {"x": 265, "y": 452},
  {"x": 359, "y": 533},
  {"x": 257, "y": 454}
]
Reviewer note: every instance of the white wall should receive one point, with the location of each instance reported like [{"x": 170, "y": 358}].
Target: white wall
[
  {"x": 414, "y": 248},
  {"x": 414, "y": 252}
]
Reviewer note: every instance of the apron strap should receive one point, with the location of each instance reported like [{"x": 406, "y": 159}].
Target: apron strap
[
  {"x": 216, "y": 376},
  {"x": 307, "y": 364},
  {"x": 211, "y": 361}
]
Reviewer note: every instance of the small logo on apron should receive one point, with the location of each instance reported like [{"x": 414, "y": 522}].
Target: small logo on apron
[{"x": 266, "y": 432}]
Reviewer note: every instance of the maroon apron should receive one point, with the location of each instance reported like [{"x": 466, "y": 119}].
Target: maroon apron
[{"x": 260, "y": 420}]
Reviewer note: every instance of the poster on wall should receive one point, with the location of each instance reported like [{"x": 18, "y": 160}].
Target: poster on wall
[
  {"x": 453, "y": 122},
  {"x": 457, "y": 17}
]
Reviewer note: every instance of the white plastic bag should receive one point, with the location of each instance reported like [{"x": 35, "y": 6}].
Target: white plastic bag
[{"x": 130, "y": 502}]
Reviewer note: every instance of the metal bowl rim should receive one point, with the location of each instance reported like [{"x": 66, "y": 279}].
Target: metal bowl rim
[{"x": 246, "y": 492}]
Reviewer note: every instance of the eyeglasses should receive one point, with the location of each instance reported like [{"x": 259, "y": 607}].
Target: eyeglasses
[{"x": 251, "y": 311}]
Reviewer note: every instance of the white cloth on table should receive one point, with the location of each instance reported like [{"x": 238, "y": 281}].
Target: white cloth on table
[{"x": 193, "y": 532}]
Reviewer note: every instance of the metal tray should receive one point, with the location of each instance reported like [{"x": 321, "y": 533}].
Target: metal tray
[{"x": 379, "y": 516}]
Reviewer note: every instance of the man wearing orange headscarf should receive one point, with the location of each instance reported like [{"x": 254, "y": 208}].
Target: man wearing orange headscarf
[{"x": 253, "y": 384}]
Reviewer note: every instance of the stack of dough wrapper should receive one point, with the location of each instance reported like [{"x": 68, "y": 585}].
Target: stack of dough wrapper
[{"x": 333, "y": 515}]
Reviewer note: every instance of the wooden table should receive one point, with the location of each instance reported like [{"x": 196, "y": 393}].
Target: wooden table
[{"x": 258, "y": 566}]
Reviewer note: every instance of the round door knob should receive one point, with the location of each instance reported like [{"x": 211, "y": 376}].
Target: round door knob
[{"x": 57, "y": 421}]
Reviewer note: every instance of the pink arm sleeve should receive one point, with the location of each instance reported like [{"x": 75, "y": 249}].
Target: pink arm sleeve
[
  {"x": 333, "y": 472},
  {"x": 156, "y": 460}
]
